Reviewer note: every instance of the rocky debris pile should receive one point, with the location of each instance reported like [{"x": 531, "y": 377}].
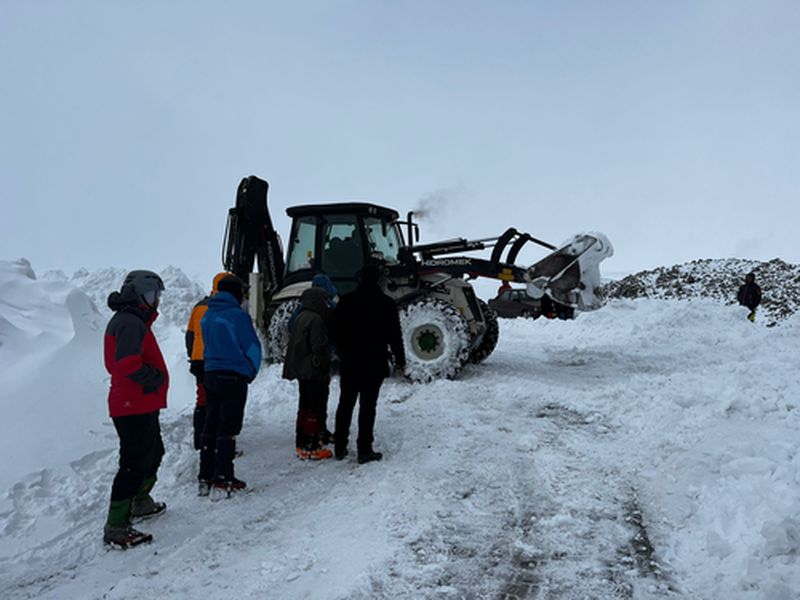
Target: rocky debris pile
[{"x": 718, "y": 279}]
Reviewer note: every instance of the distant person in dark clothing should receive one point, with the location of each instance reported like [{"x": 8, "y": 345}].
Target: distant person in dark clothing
[
  {"x": 308, "y": 359},
  {"x": 364, "y": 324},
  {"x": 232, "y": 358},
  {"x": 139, "y": 383},
  {"x": 750, "y": 295}
]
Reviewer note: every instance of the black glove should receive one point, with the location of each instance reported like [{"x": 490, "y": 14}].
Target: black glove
[
  {"x": 149, "y": 377},
  {"x": 197, "y": 368}
]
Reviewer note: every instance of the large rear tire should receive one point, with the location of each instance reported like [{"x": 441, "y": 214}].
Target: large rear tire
[
  {"x": 436, "y": 339},
  {"x": 489, "y": 340},
  {"x": 278, "y": 331}
]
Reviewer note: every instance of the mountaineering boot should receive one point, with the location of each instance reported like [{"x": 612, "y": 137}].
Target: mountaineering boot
[
  {"x": 142, "y": 505},
  {"x": 203, "y": 487},
  {"x": 320, "y": 454},
  {"x": 752, "y": 316},
  {"x": 314, "y": 452},
  {"x": 341, "y": 453},
  {"x": 146, "y": 507},
  {"x": 369, "y": 456},
  {"x": 326, "y": 437},
  {"x": 124, "y": 537},
  {"x": 227, "y": 487}
]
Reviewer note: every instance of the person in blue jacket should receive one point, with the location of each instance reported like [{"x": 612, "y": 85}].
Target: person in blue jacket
[{"x": 232, "y": 358}]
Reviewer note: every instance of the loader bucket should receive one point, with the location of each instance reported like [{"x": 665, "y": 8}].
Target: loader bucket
[{"x": 571, "y": 274}]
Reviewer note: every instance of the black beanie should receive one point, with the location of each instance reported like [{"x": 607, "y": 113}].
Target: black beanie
[{"x": 233, "y": 285}]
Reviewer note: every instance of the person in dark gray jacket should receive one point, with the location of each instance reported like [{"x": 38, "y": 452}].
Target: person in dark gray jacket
[{"x": 308, "y": 361}]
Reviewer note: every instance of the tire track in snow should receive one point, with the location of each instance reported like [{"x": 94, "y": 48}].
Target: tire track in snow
[
  {"x": 541, "y": 516},
  {"x": 576, "y": 541}
]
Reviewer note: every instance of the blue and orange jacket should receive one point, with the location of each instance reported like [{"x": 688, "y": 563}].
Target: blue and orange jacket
[
  {"x": 139, "y": 378},
  {"x": 231, "y": 343},
  {"x": 194, "y": 335}
]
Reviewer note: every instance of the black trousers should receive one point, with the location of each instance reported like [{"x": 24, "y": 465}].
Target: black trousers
[
  {"x": 365, "y": 390},
  {"x": 199, "y": 416},
  {"x": 140, "y": 452},
  {"x": 226, "y": 395},
  {"x": 311, "y": 412}
]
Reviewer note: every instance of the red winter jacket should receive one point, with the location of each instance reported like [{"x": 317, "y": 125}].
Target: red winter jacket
[{"x": 139, "y": 378}]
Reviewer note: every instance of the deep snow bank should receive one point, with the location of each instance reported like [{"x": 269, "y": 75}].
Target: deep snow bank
[{"x": 53, "y": 385}]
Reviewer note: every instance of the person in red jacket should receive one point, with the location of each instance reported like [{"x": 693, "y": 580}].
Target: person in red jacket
[{"x": 139, "y": 382}]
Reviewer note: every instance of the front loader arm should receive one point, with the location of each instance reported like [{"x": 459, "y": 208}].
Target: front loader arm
[{"x": 570, "y": 274}]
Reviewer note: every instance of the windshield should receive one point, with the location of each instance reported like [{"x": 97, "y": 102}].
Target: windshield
[{"x": 383, "y": 238}]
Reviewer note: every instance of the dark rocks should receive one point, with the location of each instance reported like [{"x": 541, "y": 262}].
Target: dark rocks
[{"x": 717, "y": 279}]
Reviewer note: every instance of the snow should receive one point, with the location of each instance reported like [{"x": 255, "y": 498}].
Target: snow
[{"x": 646, "y": 450}]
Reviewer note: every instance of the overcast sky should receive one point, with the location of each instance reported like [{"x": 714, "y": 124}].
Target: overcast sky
[{"x": 672, "y": 127}]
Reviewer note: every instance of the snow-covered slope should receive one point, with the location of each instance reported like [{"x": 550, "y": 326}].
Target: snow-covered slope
[
  {"x": 650, "y": 449},
  {"x": 717, "y": 279},
  {"x": 53, "y": 384}
]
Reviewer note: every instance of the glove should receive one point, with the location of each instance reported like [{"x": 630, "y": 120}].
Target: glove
[{"x": 197, "y": 369}]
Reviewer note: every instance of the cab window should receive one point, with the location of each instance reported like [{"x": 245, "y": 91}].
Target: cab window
[
  {"x": 342, "y": 247},
  {"x": 383, "y": 239},
  {"x": 301, "y": 249}
]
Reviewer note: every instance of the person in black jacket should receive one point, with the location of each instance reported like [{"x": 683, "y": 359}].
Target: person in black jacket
[
  {"x": 750, "y": 295},
  {"x": 363, "y": 325}
]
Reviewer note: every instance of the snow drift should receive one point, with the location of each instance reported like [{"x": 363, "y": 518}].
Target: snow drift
[{"x": 647, "y": 450}]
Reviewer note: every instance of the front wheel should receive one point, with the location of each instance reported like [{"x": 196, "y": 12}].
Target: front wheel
[
  {"x": 436, "y": 339},
  {"x": 278, "y": 331}
]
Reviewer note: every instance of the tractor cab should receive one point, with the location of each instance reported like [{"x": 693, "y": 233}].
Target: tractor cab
[{"x": 339, "y": 239}]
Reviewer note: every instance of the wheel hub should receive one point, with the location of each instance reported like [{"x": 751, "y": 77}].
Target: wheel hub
[{"x": 428, "y": 342}]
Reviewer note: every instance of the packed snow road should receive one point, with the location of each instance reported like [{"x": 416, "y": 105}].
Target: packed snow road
[{"x": 647, "y": 450}]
